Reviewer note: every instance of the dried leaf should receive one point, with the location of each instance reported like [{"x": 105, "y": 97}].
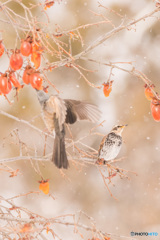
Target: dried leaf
[
  {"x": 48, "y": 4},
  {"x": 14, "y": 173},
  {"x": 73, "y": 35},
  {"x": 26, "y": 228}
]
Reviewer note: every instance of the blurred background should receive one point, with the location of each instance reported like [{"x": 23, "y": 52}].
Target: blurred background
[{"x": 137, "y": 208}]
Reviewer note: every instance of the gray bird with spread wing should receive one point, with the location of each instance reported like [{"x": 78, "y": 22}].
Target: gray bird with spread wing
[{"x": 56, "y": 112}]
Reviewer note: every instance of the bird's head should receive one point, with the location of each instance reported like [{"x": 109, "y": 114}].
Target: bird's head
[
  {"x": 42, "y": 96},
  {"x": 118, "y": 129}
]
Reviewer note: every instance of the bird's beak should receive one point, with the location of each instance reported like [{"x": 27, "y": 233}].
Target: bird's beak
[{"x": 124, "y": 125}]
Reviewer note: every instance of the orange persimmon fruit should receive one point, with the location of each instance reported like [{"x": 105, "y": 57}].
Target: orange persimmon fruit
[
  {"x": 155, "y": 109},
  {"x": 16, "y": 60},
  {"x": 14, "y": 81},
  {"x": 36, "y": 81},
  {"x": 1, "y": 48},
  {"x": 107, "y": 88},
  {"x": 5, "y": 84},
  {"x": 44, "y": 186},
  {"x": 26, "y": 48}
]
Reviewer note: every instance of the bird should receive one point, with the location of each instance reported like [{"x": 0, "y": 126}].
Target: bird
[
  {"x": 56, "y": 113},
  {"x": 110, "y": 145}
]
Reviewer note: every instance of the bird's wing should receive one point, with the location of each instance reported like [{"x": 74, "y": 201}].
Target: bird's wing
[
  {"x": 57, "y": 106},
  {"x": 71, "y": 116},
  {"x": 101, "y": 145},
  {"x": 77, "y": 110}
]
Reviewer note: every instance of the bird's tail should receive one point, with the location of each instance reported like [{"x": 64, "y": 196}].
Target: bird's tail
[{"x": 59, "y": 156}]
